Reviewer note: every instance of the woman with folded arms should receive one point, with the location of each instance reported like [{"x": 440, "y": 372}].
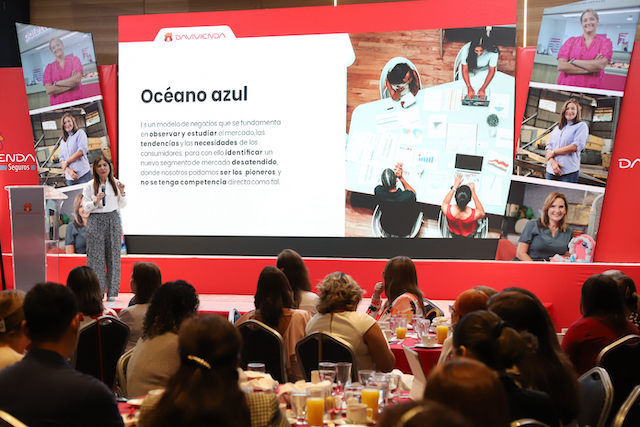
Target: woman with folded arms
[{"x": 337, "y": 315}]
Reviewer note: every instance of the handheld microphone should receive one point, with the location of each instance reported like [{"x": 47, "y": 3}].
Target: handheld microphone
[{"x": 103, "y": 189}]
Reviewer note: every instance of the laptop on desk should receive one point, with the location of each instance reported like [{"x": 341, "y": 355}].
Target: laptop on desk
[{"x": 469, "y": 167}]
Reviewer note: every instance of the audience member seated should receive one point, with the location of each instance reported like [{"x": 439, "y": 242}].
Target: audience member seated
[
  {"x": 627, "y": 288},
  {"x": 549, "y": 369},
  {"x": 339, "y": 298},
  {"x": 204, "y": 391},
  {"x": 84, "y": 284},
  {"x": 13, "y": 341},
  {"x": 425, "y": 413},
  {"x": 400, "y": 285},
  {"x": 145, "y": 280},
  {"x": 472, "y": 389},
  {"x": 292, "y": 265},
  {"x": 468, "y": 301},
  {"x": 488, "y": 290},
  {"x": 483, "y": 336},
  {"x": 603, "y": 321},
  {"x": 42, "y": 389},
  {"x": 155, "y": 356},
  {"x": 273, "y": 301}
]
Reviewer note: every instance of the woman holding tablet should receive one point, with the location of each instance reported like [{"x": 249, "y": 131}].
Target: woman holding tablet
[
  {"x": 582, "y": 59},
  {"x": 549, "y": 235},
  {"x": 566, "y": 142},
  {"x": 103, "y": 197}
]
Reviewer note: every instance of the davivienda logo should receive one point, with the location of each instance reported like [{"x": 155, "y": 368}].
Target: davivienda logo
[
  {"x": 15, "y": 162},
  {"x": 194, "y": 33}
]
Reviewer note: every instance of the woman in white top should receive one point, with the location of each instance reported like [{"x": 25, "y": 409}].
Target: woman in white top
[
  {"x": 12, "y": 338},
  {"x": 479, "y": 55},
  {"x": 339, "y": 298},
  {"x": 292, "y": 265},
  {"x": 102, "y": 198}
]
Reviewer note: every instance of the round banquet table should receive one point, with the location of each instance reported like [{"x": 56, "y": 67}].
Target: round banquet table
[{"x": 428, "y": 356}]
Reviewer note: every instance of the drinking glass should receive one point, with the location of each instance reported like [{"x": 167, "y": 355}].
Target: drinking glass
[
  {"x": 256, "y": 367},
  {"x": 399, "y": 326},
  {"x": 343, "y": 374},
  {"x": 380, "y": 381},
  {"x": 370, "y": 397},
  {"x": 299, "y": 404},
  {"x": 363, "y": 375},
  {"x": 442, "y": 331},
  {"x": 327, "y": 371},
  {"x": 421, "y": 326},
  {"x": 353, "y": 393}
]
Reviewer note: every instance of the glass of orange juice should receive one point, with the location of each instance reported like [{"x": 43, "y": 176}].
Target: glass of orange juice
[
  {"x": 441, "y": 332},
  {"x": 370, "y": 397},
  {"x": 399, "y": 326},
  {"x": 315, "y": 410}
]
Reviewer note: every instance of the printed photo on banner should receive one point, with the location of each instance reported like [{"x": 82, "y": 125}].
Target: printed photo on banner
[
  {"x": 67, "y": 141},
  {"x": 587, "y": 44},
  {"x": 567, "y": 136},
  {"x": 550, "y": 221},
  {"x": 430, "y": 132},
  {"x": 59, "y": 66}
]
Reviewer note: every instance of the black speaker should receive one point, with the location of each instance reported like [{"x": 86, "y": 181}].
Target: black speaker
[{"x": 10, "y": 12}]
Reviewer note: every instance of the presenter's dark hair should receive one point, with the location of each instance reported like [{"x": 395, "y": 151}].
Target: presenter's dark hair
[
  {"x": 485, "y": 43},
  {"x": 49, "y": 309},
  {"x": 171, "y": 304},
  {"x": 96, "y": 179},
  {"x": 388, "y": 179},
  {"x": 273, "y": 294},
  {"x": 204, "y": 391},
  {"x": 396, "y": 75},
  {"x": 292, "y": 265},
  {"x": 148, "y": 279},
  {"x": 85, "y": 285},
  {"x": 463, "y": 196}
]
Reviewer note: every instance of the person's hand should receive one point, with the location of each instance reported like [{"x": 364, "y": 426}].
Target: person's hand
[
  {"x": 457, "y": 181},
  {"x": 120, "y": 187},
  {"x": 378, "y": 289},
  {"x": 398, "y": 170},
  {"x": 98, "y": 199},
  {"x": 482, "y": 93},
  {"x": 472, "y": 186},
  {"x": 73, "y": 175},
  {"x": 549, "y": 154},
  {"x": 396, "y": 95},
  {"x": 470, "y": 92},
  {"x": 76, "y": 76},
  {"x": 63, "y": 164},
  {"x": 557, "y": 168}
]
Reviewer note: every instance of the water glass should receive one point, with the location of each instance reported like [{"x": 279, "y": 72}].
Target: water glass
[
  {"x": 343, "y": 374},
  {"x": 256, "y": 367},
  {"x": 327, "y": 371},
  {"x": 299, "y": 404},
  {"x": 380, "y": 381},
  {"x": 353, "y": 394},
  {"x": 363, "y": 375},
  {"x": 421, "y": 326}
]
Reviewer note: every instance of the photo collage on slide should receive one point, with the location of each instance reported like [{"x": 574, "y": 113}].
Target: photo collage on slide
[
  {"x": 430, "y": 133},
  {"x": 568, "y": 129},
  {"x": 65, "y": 103}
]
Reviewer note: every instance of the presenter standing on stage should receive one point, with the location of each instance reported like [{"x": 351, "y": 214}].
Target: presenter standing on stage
[{"x": 103, "y": 197}]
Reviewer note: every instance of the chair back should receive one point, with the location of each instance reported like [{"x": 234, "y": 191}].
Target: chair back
[
  {"x": 620, "y": 360},
  {"x": 629, "y": 413},
  {"x": 9, "y": 420},
  {"x": 121, "y": 373},
  {"x": 321, "y": 347},
  {"x": 457, "y": 63},
  {"x": 481, "y": 231},
  {"x": 527, "y": 422},
  {"x": 261, "y": 343},
  {"x": 596, "y": 398},
  {"x": 384, "y": 93},
  {"x": 100, "y": 345},
  {"x": 378, "y": 231}
]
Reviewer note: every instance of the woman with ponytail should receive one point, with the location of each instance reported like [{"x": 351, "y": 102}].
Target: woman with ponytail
[
  {"x": 274, "y": 307},
  {"x": 483, "y": 336},
  {"x": 204, "y": 391}
]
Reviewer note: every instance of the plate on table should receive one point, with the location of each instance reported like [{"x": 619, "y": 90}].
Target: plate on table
[
  {"x": 428, "y": 347},
  {"x": 135, "y": 402}
]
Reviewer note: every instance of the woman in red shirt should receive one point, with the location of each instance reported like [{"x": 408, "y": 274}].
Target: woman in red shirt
[{"x": 462, "y": 218}]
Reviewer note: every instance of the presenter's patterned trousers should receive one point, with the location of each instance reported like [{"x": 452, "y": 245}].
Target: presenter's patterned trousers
[{"x": 103, "y": 249}]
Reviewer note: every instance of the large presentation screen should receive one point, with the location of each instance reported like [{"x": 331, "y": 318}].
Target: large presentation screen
[{"x": 332, "y": 123}]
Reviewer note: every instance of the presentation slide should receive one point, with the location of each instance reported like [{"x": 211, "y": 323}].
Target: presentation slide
[{"x": 318, "y": 122}]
